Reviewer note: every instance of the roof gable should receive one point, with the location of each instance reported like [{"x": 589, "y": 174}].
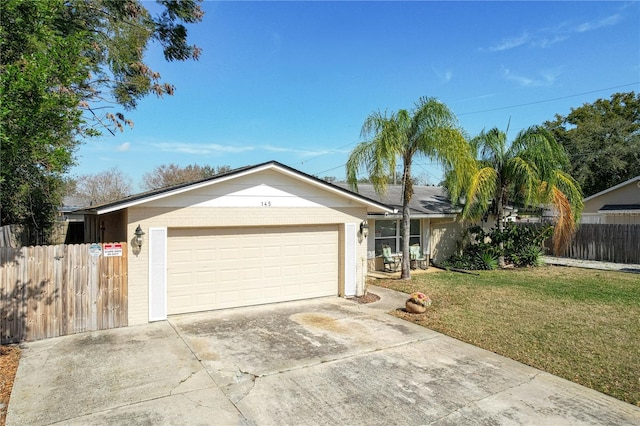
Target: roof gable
[
  {"x": 614, "y": 188},
  {"x": 246, "y": 183},
  {"x": 625, "y": 193}
]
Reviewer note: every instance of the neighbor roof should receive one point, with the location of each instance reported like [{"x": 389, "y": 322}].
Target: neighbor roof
[
  {"x": 427, "y": 201},
  {"x": 156, "y": 194},
  {"x": 613, "y": 188},
  {"x": 620, "y": 208}
]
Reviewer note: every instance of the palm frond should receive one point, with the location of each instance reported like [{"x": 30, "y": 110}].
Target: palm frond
[
  {"x": 481, "y": 189},
  {"x": 571, "y": 188},
  {"x": 524, "y": 176},
  {"x": 565, "y": 224}
]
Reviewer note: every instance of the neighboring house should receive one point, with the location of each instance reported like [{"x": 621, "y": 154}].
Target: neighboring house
[
  {"x": 70, "y": 223},
  {"x": 434, "y": 224},
  {"x": 259, "y": 234},
  {"x": 619, "y": 204}
]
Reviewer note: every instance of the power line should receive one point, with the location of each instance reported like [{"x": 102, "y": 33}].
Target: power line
[
  {"x": 329, "y": 152},
  {"x": 328, "y": 170},
  {"x": 478, "y": 112},
  {"x": 549, "y": 100}
]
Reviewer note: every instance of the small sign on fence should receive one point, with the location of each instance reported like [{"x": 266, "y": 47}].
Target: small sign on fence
[
  {"x": 95, "y": 250},
  {"x": 112, "y": 250}
]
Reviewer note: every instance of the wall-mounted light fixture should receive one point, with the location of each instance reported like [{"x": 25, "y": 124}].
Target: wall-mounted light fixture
[
  {"x": 137, "y": 240},
  {"x": 364, "y": 228}
]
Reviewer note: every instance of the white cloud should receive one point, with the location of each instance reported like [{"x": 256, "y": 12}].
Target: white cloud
[
  {"x": 300, "y": 152},
  {"x": 444, "y": 77},
  {"x": 543, "y": 79},
  {"x": 199, "y": 149},
  {"x": 124, "y": 147},
  {"x": 548, "y": 36},
  {"x": 510, "y": 43},
  {"x": 476, "y": 98},
  {"x": 594, "y": 25},
  {"x": 213, "y": 148},
  {"x": 548, "y": 41}
]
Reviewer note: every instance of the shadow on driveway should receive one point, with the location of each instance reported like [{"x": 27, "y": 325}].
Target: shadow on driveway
[{"x": 321, "y": 361}]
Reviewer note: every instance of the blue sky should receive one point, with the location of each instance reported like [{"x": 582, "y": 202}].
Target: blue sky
[{"x": 294, "y": 81}]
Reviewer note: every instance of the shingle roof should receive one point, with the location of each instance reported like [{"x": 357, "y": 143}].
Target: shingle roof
[
  {"x": 426, "y": 200},
  {"x": 620, "y": 207}
]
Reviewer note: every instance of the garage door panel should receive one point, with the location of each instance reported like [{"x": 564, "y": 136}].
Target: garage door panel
[
  {"x": 214, "y": 268},
  {"x": 227, "y": 297},
  {"x": 272, "y": 271},
  {"x": 229, "y": 254},
  {"x": 202, "y": 277},
  {"x": 250, "y": 274},
  {"x": 182, "y": 256},
  {"x": 202, "y": 255},
  {"x": 252, "y": 253},
  {"x": 229, "y": 275},
  {"x": 291, "y": 271}
]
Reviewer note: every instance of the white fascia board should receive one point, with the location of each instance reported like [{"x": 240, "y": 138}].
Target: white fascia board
[
  {"x": 370, "y": 204},
  {"x": 613, "y": 188},
  {"x": 619, "y": 212},
  {"x": 338, "y": 191},
  {"x": 413, "y": 216},
  {"x": 177, "y": 191}
]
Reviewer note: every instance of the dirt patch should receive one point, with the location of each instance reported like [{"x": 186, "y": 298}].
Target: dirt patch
[
  {"x": 9, "y": 358},
  {"x": 367, "y": 298}
]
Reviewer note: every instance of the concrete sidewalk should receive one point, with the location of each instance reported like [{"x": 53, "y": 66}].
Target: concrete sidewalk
[
  {"x": 592, "y": 264},
  {"x": 323, "y": 361}
]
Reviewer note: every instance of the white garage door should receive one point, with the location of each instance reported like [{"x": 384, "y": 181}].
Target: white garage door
[{"x": 214, "y": 268}]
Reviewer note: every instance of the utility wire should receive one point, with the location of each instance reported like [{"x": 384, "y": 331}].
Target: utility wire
[
  {"x": 488, "y": 110},
  {"x": 327, "y": 153},
  {"x": 548, "y": 100}
]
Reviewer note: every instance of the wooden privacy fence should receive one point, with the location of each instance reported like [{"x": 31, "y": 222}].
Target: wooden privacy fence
[
  {"x": 606, "y": 242},
  {"x": 50, "y": 291}
]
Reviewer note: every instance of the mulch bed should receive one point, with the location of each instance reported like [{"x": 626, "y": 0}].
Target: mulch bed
[
  {"x": 9, "y": 358},
  {"x": 367, "y": 298}
]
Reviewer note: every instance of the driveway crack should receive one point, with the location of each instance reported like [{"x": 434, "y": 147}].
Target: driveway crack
[
  {"x": 181, "y": 382},
  {"x": 179, "y": 335},
  {"x": 492, "y": 395},
  {"x": 244, "y": 384}
]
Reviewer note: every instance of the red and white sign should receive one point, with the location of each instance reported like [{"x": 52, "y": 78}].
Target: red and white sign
[{"x": 112, "y": 250}]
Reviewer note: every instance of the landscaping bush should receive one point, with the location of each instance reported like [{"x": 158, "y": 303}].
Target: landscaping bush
[{"x": 480, "y": 249}]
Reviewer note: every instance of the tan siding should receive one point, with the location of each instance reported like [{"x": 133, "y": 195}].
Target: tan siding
[
  {"x": 628, "y": 194},
  {"x": 444, "y": 236},
  {"x": 621, "y": 219}
]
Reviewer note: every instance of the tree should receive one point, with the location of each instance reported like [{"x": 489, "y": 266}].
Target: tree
[
  {"x": 65, "y": 65},
  {"x": 103, "y": 187},
  {"x": 38, "y": 115},
  {"x": 527, "y": 171},
  {"x": 602, "y": 140},
  {"x": 429, "y": 130},
  {"x": 172, "y": 174}
]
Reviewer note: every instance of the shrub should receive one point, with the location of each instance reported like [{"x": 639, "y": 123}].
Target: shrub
[{"x": 480, "y": 249}]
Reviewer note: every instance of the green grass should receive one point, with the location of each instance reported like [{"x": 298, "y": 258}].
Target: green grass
[{"x": 583, "y": 325}]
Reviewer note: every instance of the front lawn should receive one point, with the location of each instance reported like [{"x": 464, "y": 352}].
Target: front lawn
[{"x": 580, "y": 324}]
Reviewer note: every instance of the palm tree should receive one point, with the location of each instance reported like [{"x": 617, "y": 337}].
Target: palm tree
[
  {"x": 429, "y": 130},
  {"x": 529, "y": 170}
]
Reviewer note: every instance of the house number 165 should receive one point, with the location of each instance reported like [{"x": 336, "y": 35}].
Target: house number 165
[{"x": 266, "y": 204}]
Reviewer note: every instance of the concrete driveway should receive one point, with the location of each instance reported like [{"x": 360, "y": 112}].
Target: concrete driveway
[{"x": 319, "y": 362}]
